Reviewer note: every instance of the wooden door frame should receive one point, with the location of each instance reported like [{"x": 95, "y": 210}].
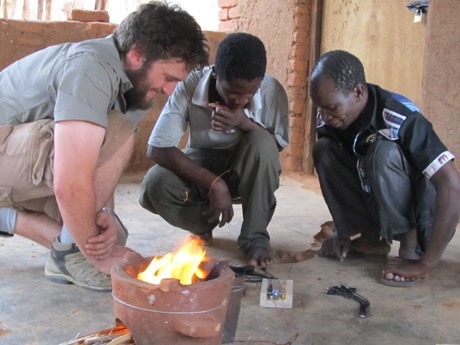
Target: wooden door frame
[{"x": 315, "y": 52}]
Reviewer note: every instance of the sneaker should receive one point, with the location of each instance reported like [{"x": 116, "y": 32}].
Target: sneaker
[{"x": 66, "y": 265}]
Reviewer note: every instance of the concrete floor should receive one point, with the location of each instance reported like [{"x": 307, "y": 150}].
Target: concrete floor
[{"x": 36, "y": 311}]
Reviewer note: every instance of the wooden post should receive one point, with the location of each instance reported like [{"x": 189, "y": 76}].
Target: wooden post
[
  {"x": 77, "y": 4},
  {"x": 40, "y": 9},
  {"x": 26, "y": 10},
  {"x": 5, "y": 9},
  {"x": 101, "y": 5},
  {"x": 315, "y": 52},
  {"x": 48, "y": 9},
  {"x": 13, "y": 8}
]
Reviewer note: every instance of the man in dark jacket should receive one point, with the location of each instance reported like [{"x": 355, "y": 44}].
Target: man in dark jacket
[{"x": 384, "y": 173}]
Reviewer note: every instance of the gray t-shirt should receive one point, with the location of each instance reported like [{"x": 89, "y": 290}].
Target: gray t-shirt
[
  {"x": 70, "y": 81},
  {"x": 189, "y": 106}
]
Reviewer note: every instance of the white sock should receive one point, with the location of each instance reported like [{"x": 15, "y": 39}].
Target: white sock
[
  {"x": 8, "y": 218},
  {"x": 65, "y": 235}
]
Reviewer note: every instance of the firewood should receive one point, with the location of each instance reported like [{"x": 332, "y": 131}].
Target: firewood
[
  {"x": 121, "y": 340},
  {"x": 100, "y": 337}
]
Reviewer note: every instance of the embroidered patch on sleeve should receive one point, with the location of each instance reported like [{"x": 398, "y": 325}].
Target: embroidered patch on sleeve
[
  {"x": 393, "y": 122},
  {"x": 437, "y": 164},
  {"x": 319, "y": 120}
]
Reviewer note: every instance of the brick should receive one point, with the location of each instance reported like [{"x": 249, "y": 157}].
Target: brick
[
  {"x": 301, "y": 22},
  {"x": 301, "y": 36},
  {"x": 26, "y": 26},
  {"x": 88, "y": 16},
  {"x": 101, "y": 29},
  {"x": 296, "y": 79},
  {"x": 234, "y": 12},
  {"x": 228, "y": 26},
  {"x": 223, "y": 14},
  {"x": 296, "y": 106},
  {"x": 299, "y": 65},
  {"x": 296, "y": 146},
  {"x": 227, "y": 3},
  {"x": 301, "y": 11},
  {"x": 298, "y": 136},
  {"x": 297, "y": 93},
  {"x": 296, "y": 120},
  {"x": 30, "y": 41},
  {"x": 299, "y": 51},
  {"x": 292, "y": 164}
]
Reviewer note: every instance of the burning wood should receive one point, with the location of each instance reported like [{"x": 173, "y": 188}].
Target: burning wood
[
  {"x": 119, "y": 335},
  {"x": 185, "y": 265}
]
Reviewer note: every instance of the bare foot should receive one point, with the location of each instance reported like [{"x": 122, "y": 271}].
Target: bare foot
[
  {"x": 395, "y": 277},
  {"x": 406, "y": 270},
  {"x": 407, "y": 251},
  {"x": 205, "y": 237},
  {"x": 408, "y": 245},
  {"x": 258, "y": 256}
]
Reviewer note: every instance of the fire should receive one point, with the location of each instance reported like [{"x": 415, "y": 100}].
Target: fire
[{"x": 183, "y": 265}]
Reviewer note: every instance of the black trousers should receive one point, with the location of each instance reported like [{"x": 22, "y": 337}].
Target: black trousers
[{"x": 398, "y": 199}]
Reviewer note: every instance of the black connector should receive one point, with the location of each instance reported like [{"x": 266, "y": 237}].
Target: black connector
[
  {"x": 350, "y": 292},
  {"x": 250, "y": 275}
]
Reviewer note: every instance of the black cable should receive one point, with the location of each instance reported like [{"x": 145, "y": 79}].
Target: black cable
[
  {"x": 250, "y": 275},
  {"x": 350, "y": 292}
]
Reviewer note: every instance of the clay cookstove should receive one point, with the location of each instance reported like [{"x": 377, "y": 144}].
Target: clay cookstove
[{"x": 169, "y": 312}]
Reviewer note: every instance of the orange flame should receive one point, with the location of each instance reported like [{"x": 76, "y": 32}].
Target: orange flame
[{"x": 184, "y": 265}]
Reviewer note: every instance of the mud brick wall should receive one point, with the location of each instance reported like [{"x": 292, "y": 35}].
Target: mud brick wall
[{"x": 284, "y": 28}]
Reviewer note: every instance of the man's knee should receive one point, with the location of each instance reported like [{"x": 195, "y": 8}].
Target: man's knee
[
  {"x": 260, "y": 140},
  {"x": 260, "y": 145},
  {"x": 385, "y": 154},
  {"x": 159, "y": 188},
  {"x": 325, "y": 153},
  {"x": 150, "y": 188}
]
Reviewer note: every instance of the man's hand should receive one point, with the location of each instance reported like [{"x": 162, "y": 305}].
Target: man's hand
[
  {"x": 336, "y": 246},
  {"x": 118, "y": 256},
  {"x": 220, "y": 204},
  {"x": 258, "y": 256},
  {"x": 100, "y": 246},
  {"x": 225, "y": 119}
]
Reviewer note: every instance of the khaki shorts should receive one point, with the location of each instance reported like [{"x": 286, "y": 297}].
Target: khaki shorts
[{"x": 27, "y": 156}]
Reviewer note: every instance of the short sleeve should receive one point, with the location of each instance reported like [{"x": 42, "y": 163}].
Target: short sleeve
[
  {"x": 420, "y": 142},
  {"x": 275, "y": 113},
  {"x": 84, "y": 92},
  {"x": 172, "y": 122}
]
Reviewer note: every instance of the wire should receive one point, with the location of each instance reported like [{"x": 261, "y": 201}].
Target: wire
[
  {"x": 350, "y": 292},
  {"x": 250, "y": 275}
]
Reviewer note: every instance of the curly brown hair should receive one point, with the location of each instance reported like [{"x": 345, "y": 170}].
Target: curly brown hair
[{"x": 162, "y": 31}]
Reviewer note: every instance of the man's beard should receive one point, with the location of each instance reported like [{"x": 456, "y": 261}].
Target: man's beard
[{"x": 136, "y": 96}]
